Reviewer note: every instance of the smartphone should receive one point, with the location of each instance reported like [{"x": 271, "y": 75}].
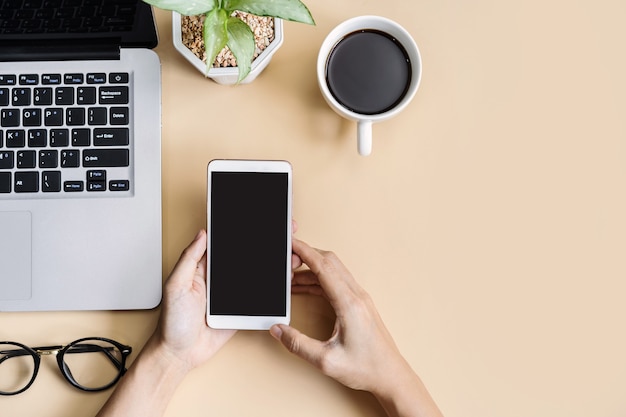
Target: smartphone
[{"x": 248, "y": 244}]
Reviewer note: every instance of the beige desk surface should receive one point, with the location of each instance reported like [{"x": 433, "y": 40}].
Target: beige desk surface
[{"x": 489, "y": 224}]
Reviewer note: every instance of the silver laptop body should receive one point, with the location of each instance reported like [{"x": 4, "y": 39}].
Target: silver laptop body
[{"x": 80, "y": 190}]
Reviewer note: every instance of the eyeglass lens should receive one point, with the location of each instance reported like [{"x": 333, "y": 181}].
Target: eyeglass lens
[
  {"x": 93, "y": 363},
  {"x": 17, "y": 367}
]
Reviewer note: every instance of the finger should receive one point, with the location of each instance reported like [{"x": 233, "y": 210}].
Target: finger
[
  {"x": 296, "y": 262},
  {"x": 190, "y": 258},
  {"x": 305, "y": 277},
  {"x": 303, "y": 346},
  {"x": 200, "y": 274},
  {"x": 331, "y": 273},
  {"x": 306, "y": 282},
  {"x": 309, "y": 290}
]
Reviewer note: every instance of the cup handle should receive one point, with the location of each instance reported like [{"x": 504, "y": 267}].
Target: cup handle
[{"x": 364, "y": 137}]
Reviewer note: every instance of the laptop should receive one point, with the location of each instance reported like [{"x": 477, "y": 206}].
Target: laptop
[{"x": 80, "y": 156}]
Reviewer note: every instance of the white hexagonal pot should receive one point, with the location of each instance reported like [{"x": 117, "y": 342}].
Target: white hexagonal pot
[{"x": 228, "y": 75}]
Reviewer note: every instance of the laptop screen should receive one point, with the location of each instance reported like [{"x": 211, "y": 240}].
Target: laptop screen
[{"x": 128, "y": 23}]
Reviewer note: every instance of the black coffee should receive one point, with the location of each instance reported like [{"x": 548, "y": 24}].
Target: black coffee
[{"x": 368, "y": 72}]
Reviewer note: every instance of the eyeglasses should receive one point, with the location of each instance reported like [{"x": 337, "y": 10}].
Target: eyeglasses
[{"x": 90, "y": 364}]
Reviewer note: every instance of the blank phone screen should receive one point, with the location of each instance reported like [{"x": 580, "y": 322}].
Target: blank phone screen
[{"x": 248, "y": 244}]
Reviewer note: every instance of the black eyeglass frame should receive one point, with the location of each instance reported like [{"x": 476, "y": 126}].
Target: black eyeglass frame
[{"x": 60, "y": 352}]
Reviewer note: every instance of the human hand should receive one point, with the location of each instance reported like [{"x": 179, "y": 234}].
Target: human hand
[
  {"x": 360, "y": 348},
  {"x": 182, "y": 334},
  {"x": 181, "y": 341},
  {"x": 360, "y": 353}
]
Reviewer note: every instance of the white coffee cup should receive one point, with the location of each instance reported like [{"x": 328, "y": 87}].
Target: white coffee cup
[{"x": 364, "y": 120}]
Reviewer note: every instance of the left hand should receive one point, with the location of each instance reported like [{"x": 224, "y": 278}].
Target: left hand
[{"x": 182, "y": 333}]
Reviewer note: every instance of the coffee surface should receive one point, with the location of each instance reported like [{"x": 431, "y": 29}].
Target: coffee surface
[{"x": 368, "y": 72}]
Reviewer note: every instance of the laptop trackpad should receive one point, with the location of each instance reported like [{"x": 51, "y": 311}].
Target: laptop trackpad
[{"x": 15, "y": 255}]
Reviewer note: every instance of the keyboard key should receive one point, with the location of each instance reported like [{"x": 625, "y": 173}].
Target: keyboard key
[
  {"x": 96, "y": 78},
  {"x": 42, "y": 96},
  {"x": 96, "y": 186},
  {"x": 110, "y": 136},
  {"x": 75, "y": 116},
  {"x": 94, "y": 22},
  {"x": 25, "y": 15},
  {"x": 81, "y": 137},
  {"x": 88, "y": 10},
  {"x": 96, "y": 175},
  {"x": 6, "y": 160},
  {"x": 31, "y": 117},
  {"x": 51, "y": 79},
  {"x": 32, "y": 4},
  {"x": 118, "y": 78},
  {"x": 20, "y": 97},
  {"x": 119, "y": 185},
  {"x": 5, "y": 182},
  {"x": 48, "y": 159},
  {"x": 97, "y": 158},
  {"x": 51, "y": 181},
  {"x": 118, "y": 115},
  {"x": 97, "y": 116},
  {"x": 26, "y": 182},
  {"x": 4, "y": 97},
  {"x": 50, "y": 25},
  {"x": 53, "y": 117},
  {"x": 73, "y": 78},
  {"x": 59, "y": 137},
  {"x": 113, "y": 95},
  {"x": 9, "y": 117},
  {"x": 64, "y": 96},
  {"x": 11, "y": 26},
  {"x": 15, "y": 138},
  {"x": 37, "y": 138},
  {"x": 70, "y": 159},
  {"x": 29, "y": 79},
  {"x": 26, "y": 159},
  {"x": 8, "y": 79},
  {"x": 64, "y": 13},
  {"x": 73, "y": 186},
  {"x": 86, "y": 95}
]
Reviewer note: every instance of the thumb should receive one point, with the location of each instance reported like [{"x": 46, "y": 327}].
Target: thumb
[{"x": 309, "y": 349}]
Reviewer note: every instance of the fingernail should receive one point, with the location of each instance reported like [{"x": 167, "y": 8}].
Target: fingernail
[
  {"x": 276, "y": 331},
  {"x": 198, "y": 235}
]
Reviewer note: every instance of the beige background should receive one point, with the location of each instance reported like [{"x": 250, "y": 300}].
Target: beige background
[{"x": 489, "y": 224}]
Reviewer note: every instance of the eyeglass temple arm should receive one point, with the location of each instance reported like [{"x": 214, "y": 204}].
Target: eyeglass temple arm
[{"x": 88, "y": 348}]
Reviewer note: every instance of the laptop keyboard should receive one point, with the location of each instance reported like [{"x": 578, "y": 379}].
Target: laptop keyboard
[
  {"x": 65, "y": 134},
  {"x": 60, "y": 16}
]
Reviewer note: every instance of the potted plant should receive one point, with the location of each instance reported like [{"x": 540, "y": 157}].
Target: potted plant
[{"x": 222, "y": 28}]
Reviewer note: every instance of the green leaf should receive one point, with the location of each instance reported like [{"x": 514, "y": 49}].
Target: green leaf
[
  {"x": 215, "y": 34},
  {"x": 241, "y": 44},
  {"x": 185, "y": 7},
  {"x": 293, "y": 10}
]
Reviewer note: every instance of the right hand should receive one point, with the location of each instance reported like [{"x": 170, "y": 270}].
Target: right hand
[{"x": 360, "y": 353}]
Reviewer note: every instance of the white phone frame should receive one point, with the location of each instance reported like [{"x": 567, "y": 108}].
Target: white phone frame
[{"x": 249, "y": 322}]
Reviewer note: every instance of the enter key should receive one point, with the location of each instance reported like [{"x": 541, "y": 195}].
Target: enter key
[{"x": 110, "y": 136}]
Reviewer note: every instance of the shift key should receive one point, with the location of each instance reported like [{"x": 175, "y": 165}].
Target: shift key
[{"x": 95, "y": 158}]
